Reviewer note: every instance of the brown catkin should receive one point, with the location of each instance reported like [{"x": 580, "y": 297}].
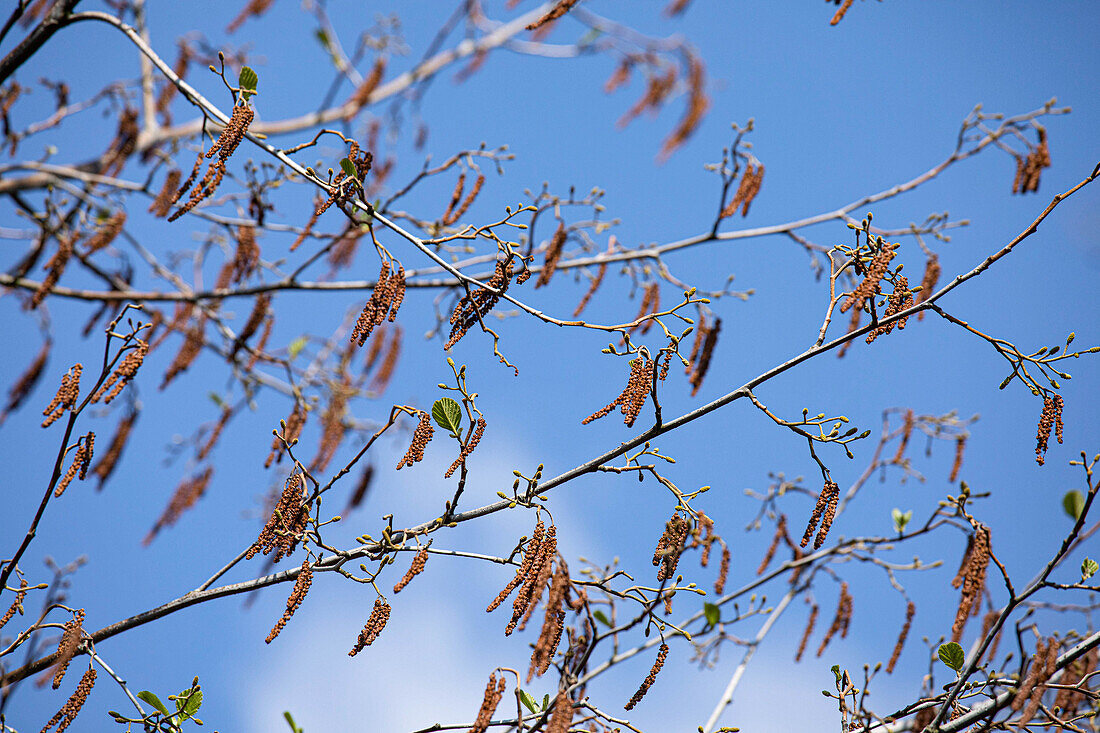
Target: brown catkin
[
  {"x": 830, "y": 513},
  {"x": 468, "y": 447},
  {"x": 26, "y": 382},
  {"x": 910, "y": 611},
  {"x": 810, "y": 622},
  {"x": 472, "y": 307},
  {"x": 906, "y": 433},
  {"x": 553, "y": 254},
  {"x": 417, "y": 567},
  {"x": 932, "y": 271},
  {"x": 1048, "y": 663},
  {"x": 71, "y": 638},
  {"x": 82, "y": 458},
  {"x": 880, "y": 263},
  {"x": 1071, "y": 696},
  {"x": 631, "y": 400},
  {"x": 662, "y": 654},
  {"x": 297, "y": 595},
  {"x": 960, "y": 448},
  {"x": 55, "y": 266},
  {"x": 562, "y": 717},
  {"x": 529, "y": 553},
  {"x": 361, "y": 96},
  {"x": 670, "y": 546},
  {"x": 287, "y": 522},
  {"x": 973, "y": 580},
  {"x": 385, "y": 372},
  {"x": 825, "y": 507},
  {"x": 379, "y": 615},
  {"x": 840, "y": 12},
  {"x": 592, "y": 288},
  {"x": 123, "y": 373},
  {"x": 723, "y": 570},
  {"x": 66, "y": 396},
  {"x": 16, "y": 605},
  {"x": 421, "y": 436},
  {"x": 705, "y": 353},
  {"x": 189, "y": 491},
  {"x": 494, "y": 691},
  {"x": 106, "y": 233},
  {"x": 226, "y": 144},
  {"x": 251, "y": 8},
  {"x": 780, "y": 532},
  {"x": 534, "y": 580},
  {"x": 841, "y": 620},
  {"x": 901, "y": 299},
  {"x": 1032, "y": 679},
  {"x": 1052, "y": 413},
  {"x": 552, "y": 625},
  {"x": 360, "y": 489},
  {"x": 68, "y": 712}
]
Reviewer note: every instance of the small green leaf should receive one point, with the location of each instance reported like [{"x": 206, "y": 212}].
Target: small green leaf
[
  {"x": 545, "y": 701},
  {"x": 296, "y": 346},
  {"x": 601, "y": 617},
  {"x": 528, "y": 702},
  {"x": 349, "y": 168},
  {"x": 952, "y": 655},
  {"x": 447, "y": 414},
  {"x": 193, "y": 703},
  {"x": 153, "y": 700},
  {"x": 901, "y": 519},
  {"x": 247, "y": 82},
  {"x": 1074, "y": 503},
  {"x": 712, "y": 614},
  {"x": 1088, "y": 569}
]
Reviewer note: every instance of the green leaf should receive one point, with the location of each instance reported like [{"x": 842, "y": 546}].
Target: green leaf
[
  {"x": 712, "y": 614},
  {"x": 952, "y": 655},
  {"x": 153, "y": 700},
  {"x": 601, "y": 617},
  {"x": 545, "y": 701},
  {"x": 290, "y": 721},
  {"x": 1088, "y": 569},
  {"x": 192, "y": 703},
  {"x": 296, "y": 346},
  {"x": 448, "y": 415},
  {"x": 349, "y": 168},
  {"x": 901, "y": 519},
  {"x": 528, "y": 702},
  {"x": 1074, "y": 503},
  {"x": 247, "y": 82}
]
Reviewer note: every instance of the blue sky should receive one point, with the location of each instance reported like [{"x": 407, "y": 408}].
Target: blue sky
[{"x": 839, "y": 113}]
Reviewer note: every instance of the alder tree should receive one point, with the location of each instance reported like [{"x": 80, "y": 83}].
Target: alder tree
[{"x": 197, "y": 226}]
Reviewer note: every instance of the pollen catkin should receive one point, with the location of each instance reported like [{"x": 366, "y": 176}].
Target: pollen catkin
[
  {"x": 417, "y": 567},
  {"x": 1049, "y": 663},
  {"x": 361, "y": 96},
  {"x": 810, "y": 622},
  {"x": 123, "y": 373},
  {"x": 901, "y": 299},
  {"x": 840, "y": 11},
  {"x": 906, "y": 433},
  {"x": 16, "y": 605},
  {"x": 71, "y": 637},
  {"x": 780, "y": 531},
  {"x": 553, "y": 254},
  {"x": 705, "y": 354},
  {"x": 287, "y": 523},
  {"x": 361, "y": 488},
  {"x": 1034, "y": 676},
  {"x": 880, "y": 263},
  {"x": 189, "y": 491},
  {"x": 932, "y": 271},
  {"x": 1052, "y": 415},
  {"x": 23, "y": 386},
  {"x": 106, "y": 233},
  {"x": 697, "y": 107},
  {"x": 535, "y": 579},
  {"x": 592, "y": 288},
  {"x": 468, "y": 448},
  {"x": 226, "y": 144},
  {"x": 662, "y": 654},
  {"x": 68, "y": 712},
  {"x": 385, "y": 372},
  {"x": 910, "y": 611},
  {"x": 106, "y": 465},
  {"x": 825, "y": 508},
  {"x": 82, "y": 458},
  {"x": 631, "y": 400},
  {"x": 670, "y": 546},
  {"x": 473, "y": 307},
  {"x": 297, "y": 595},
  {"x": 66, "y": 396},
  {"x": 494, "y": 691},
  {"x": 553, "y": 622},
  {"x": 381, "y": 303},
  {"x": 723, "y": 570},
  {"x": 1029, "y": 170},
  {"x": 841, "y": 620},
  {"x": 379, "y": 615},
  {"x": 746, "y": 191},
  {"x": 421, "y": 436},
  {"x": 973, "y": 581},
  {"x": 960, "y": 448},
  {"x": 1070, "y": 694},
  {"x": 55, "y": 267},
  {"x": 528, "y": 562},
  {"x": 853, "y": 325},
  {"x": 251, "y": 8}
]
